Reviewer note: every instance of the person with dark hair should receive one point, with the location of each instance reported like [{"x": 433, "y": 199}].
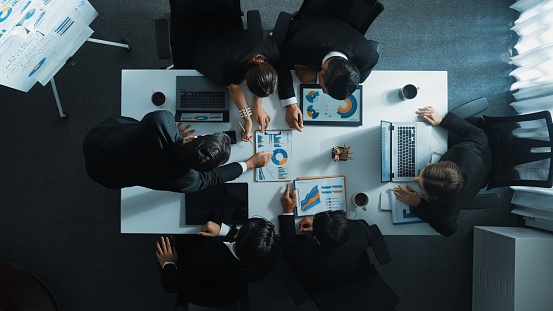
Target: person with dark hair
[
  {"x": 153, "y": 153},
  {"x": 326, "y": 50},
  {"x": 221, "y": 50},
  {"x": 455, "y": 179},
  {"x": 214, "y": 267},
  {"x": 335, "y": 254}
]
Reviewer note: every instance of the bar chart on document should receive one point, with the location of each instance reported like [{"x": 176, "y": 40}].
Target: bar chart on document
[
  {"x": 320, "y": 194},
  {"x": 278, "y": 142}
]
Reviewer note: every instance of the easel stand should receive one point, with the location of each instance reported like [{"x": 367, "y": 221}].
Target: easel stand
[{"x": 123, "y": 44}]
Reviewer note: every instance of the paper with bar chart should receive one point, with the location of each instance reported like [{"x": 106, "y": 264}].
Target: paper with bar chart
[
  {"x": 320, "y": 194},
  {"x": 279, "y": 142}
]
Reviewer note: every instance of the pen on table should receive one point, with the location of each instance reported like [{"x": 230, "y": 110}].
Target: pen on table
[{"x": 243, "y": 129}]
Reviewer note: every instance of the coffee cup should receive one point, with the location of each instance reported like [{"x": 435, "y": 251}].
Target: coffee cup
[
  {"x": 158, "y": 98},
  {"x": 408, "y": 92},
  {"x": 360, "y": 199}
]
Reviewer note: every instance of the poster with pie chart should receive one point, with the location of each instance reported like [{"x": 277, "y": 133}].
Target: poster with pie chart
[
  {"x": 278, "y": 142},
  {"x": 319, "y": 108}
]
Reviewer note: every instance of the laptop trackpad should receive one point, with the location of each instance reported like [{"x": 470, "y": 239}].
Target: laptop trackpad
[{"x": 424, "y": 155}]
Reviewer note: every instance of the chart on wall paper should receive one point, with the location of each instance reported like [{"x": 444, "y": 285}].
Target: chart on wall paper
[
  {"x": 320, "y": 194},
  {"x": 278, "y": 142}
]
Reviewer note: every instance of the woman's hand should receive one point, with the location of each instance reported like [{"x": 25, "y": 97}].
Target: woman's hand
[
  {"x": 247, "y": 129},
  {"x": 261, "y": 116},
  {"x": 407, "y": 195},
  {"x": 430, "y": 114}
]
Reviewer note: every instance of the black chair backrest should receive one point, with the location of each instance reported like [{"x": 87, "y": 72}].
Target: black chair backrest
[
  {"x": 22, "y": 290},
  {"x": 522, "y": 150}
]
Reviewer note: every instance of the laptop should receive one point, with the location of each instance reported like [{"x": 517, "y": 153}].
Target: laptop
[
  {"x": 405, "y": 149},
  {"x": 227, "y": 203},
  {"x": 201, "y": 100}
]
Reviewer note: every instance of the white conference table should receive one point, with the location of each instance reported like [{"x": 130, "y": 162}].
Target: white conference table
[{"x": 149, "y": 211}]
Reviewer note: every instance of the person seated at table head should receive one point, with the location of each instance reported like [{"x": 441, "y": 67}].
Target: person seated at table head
[
  {"x": 215, "y": 44},
  {"x": 324, "y": 49},
  {"x": 153, "y": 153},
  {"x": 214, "y": 267},
  {"x": 449, "y": 185},
  {"x": 335, "y": 253}
]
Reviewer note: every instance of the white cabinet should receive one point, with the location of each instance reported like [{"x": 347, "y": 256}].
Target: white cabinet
[{"x": 512, "y": 269}]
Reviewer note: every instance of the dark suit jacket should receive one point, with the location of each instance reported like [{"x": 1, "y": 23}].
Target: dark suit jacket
[
  {"x": 207, "y": 273},
  {"x": 123, "y": 152},
  {"x": 311, "y": 38},
  {"x": 474, "y": 157},
  {"x": 223, "y": 57},
  {"x": 318, "y": 268}
]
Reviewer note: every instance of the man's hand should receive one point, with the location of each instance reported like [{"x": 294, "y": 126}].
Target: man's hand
[
  {"x": 306, "y": 224},
  {"x": 430, "y": 114},
  {"x": 294, "y": 117},
  {"x": 261, "y": 117},
  {"x": 259, "y": 159},
  {"x": 165, "y": 253},
  {"x": 186, "y": 132},
  {"x": 210, "y": 229},
  {"x": 408, "y": 196},
  {"x": 288, "y": 200},
  {"x": 305, "y": 74}
]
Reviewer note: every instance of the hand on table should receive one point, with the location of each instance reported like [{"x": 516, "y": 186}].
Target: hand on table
[
  {"x": 210, "y": 229},
  {"x": 247, "y": 129},
  {"x": 164, "y": 251},
  {"x": 259, "y": 159},
  {"x": 294, "y": 117},
  {"x": 407, "y": 195},
  {"x": 306, "y": 224},
  {"x": 262, "y": 118},
  {"x": 430, "y": 114},
  {"x": 288, "y": 200}
]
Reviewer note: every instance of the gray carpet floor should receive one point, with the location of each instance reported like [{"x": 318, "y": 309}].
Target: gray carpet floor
[{"x": 60, "y": 225}]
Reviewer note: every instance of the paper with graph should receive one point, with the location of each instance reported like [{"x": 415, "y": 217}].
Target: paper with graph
[
  {"x": 320, "y": 194},
  {"x": 278, "y": 142}
]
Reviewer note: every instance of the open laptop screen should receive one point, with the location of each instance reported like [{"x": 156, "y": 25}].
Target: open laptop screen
[
  {"x": 227, "y": 203},
  {"x": 386, "y": 151}
]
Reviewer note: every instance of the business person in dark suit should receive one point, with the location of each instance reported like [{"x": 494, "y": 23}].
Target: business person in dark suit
[
  {"x": 153, "y": 153},
  {"x": 214, "y": 267},
  {"x": 334, "y": 255},
  {"x": 221, "y": 50},
  {"x": 325, "y": 50},
  {"x": 450, "y": 184}
]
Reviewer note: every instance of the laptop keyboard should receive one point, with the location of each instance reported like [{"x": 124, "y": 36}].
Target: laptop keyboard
[
  {"x": 406, "y": 151},
  {"x": 202, "y": 99}
]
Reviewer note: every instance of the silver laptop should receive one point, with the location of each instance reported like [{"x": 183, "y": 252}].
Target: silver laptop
[
  {"x": 405, "y": 149},
  {"x": 201, "y": 100}
]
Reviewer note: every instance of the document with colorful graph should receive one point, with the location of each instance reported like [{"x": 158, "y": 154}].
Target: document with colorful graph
[
  {"x": 320, "y": 194},
  {"x": 319, "y": 108},
  {"x": 279, "y": 142}
]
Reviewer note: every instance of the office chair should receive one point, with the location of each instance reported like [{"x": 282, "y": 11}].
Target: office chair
[
  {"x": 22, "y": 290},
  {"x": 367, "y": 292},
  {"x": 173, "y": 36},
  {"x": 521, "y": 148},
  {"x": 359, "y": 14},
  {"x": 242, "y": 303}
]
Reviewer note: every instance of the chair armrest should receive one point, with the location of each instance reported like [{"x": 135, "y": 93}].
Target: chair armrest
[
  {"x": 379, "y": 246},
  {"x": 375, "y": 45},
  {"x": 292, "y": 285},
  {"x": 471, "y": 108},
  {"x": 162, "y": 38},
  {"x": 254, "y": 23},
  {"x": 281, "y": 29}
]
